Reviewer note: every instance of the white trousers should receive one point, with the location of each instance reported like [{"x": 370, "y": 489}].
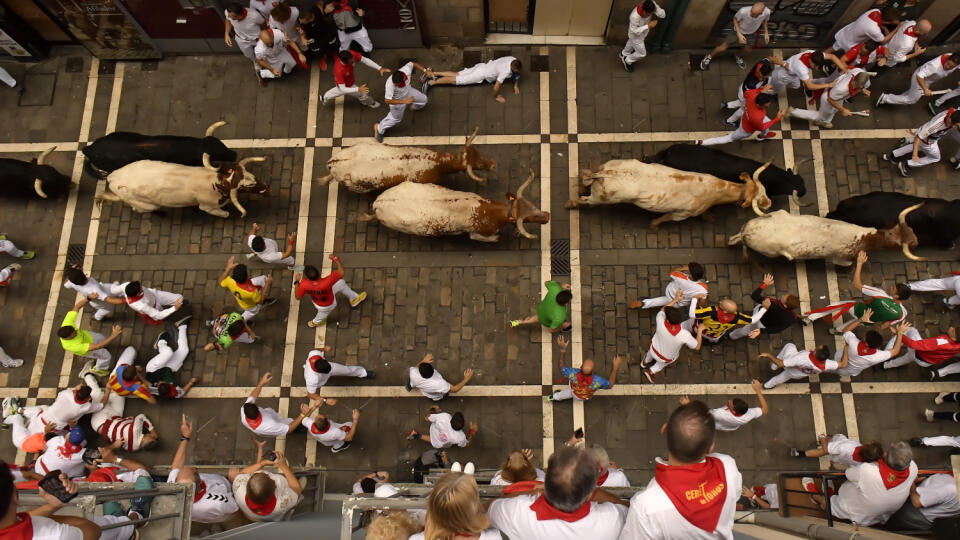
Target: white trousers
[
  {"x": 942, "y": 440},
  {"x": 114, "y": 407},
  {"x": 23, "y": 425},
  {"x": 735, "y": 135},
  {"x": 250, "y": 313},
  {"x": 929, "y": 153},
  {"x": 949, "y": 283},
  {"x": 126, "y": 358},
  {"x": 340, "y": 90},
  {"x": 738, "y": 106},
  {"x": 395, "y": 112},
  {"x": 908, "y": 97},
  {"x": 669, "y": 293},
  {"x": 658, "y": 363},
  {"x": 948, "y": 96},
  {"x": 167, "y": 357},
  {"x": 102, "y": 356},
  {"x": 7, "y": 78},
  {"x": 781, "y": 79},
  {"x": 340, "y": 370},
  {"x": 340, "y": 287},
  {"x": 741, "y": 332},
  {"x": 907, "y": 357},
  {"x": 284, "y": 63},
  {"x": 634, "y": 50},
  {"x": 788, "y": 373},
  {"x": 949, "y": 370},
  {"x": 824, "y": 113},
  {"x": 566, "y": 393},
  {"x": 247, "y": 48},
  {"x": 9, "y": 248},
  {"x": 360, "y": 36}
]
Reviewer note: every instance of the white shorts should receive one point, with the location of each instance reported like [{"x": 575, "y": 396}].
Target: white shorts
[{"x": 472, "y": 75}]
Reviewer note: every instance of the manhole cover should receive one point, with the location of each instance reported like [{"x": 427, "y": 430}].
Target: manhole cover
[
  {"x": 76, "y": 254},
  {"x": 560, "y": 257},
  {"x": 108, "y": 67},
  {"x": 539, "y": 63}
]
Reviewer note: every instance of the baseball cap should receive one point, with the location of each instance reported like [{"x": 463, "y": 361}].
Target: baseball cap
[{"x": 76, "y": 436}]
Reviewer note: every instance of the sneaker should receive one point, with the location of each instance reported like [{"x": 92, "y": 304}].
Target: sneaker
[
  {"x": 649, "y": 375},
  {"x": 112, "y": 508},
  {"x": 141, "y": 505},
  {"x": 933, "y": 110},
  {"x": 409, "y": 387},
  {"x": 376, "y": 132},
  {"x": 833, "y": 331},
  {"x": 251, "y": 255},
  {"x": 184, "y": 320},
  {"x": 456, "y": 467},
  {"x": 723, "y": 106},
  {"x": 268, "y": 302},
  {"x": 549, "y": 398},
  {"x": 916, "y": 441},
  {"x": 733, "y": 124},
  {"x": 514, "y": 323},
  {"x": 100, "y": 372},
  {"x": 824, "y": 125},
  {"x": 879, "y": 100},
  {"x": 359, "y": 299},
  {"x": 767, "y": 135},
  {"x": 699, "y": 142},
  {"x": 296, "y": 268},
  {"x": 627, "y": 66},
  {"x": 413, "y": 435},
  {"x": 375, "y": 105},
  {"x": 209, "y": 322},
  {"x": 956, "y": 167},
  {"x": 371, "y": 374},
  {"x": 3, "y": 236},
  {"x": 928, "y": 414},
  {"x": 740, "y": 63},
  {"x": 796, "y": 453},
  {"x": 14, "y": 266},
  {"x": 902, "y": 167},
  {"x": 27, "y": 255},
  {"x": 426, "y": 87},
  {"x": 939, "y": 399},
  {"x": 886, "y": 157},
  {"x": 341, "y": 448},
  {"x": 10, "y": 406},
  {"x": 637, "y": 304},
  {"x": 947, "y": 304},
  {"x": 933, "y": 374},
  {"x": 163, "y": 336},
  {"x": 705, "y": 63},
  {"x": 469, "y": 468},
  {"x": 314, "y": 324},
  {"x": 11, "y": 363},
  {"x": 87, "y": 368}
]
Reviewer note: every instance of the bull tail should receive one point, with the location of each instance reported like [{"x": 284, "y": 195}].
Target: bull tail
[
  {"x": 93, "y": 170},
  {"x": 735, "y": 239},
  {"x": 325, "y": 180},
  {"x": 366, "y": 217},
  {"x": 108, "y": 195}
]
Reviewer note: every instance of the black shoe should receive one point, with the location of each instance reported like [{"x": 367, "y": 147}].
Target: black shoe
[
  {"x": 409, "y": 387},
  {"x": 164, "y": 336},
  {"x": 268, "y": 302},
  {"x": 886, "y": 157},
  {"x": 916, "y": 441},
  {"x": 341, "y": 448},
  {"x": 626, "y": 65},
  {"x": 933, "y": 110},
  {"x": 902, "y": 167},
  {"x": 371, "y": 374},
  {"x": 183, "y": 320}
]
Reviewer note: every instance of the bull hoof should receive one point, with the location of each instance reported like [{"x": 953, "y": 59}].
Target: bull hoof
[{"x": 572, "y": 204}]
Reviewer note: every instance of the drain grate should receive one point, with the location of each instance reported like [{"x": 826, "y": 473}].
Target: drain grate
[
  {"x": 75, "y": 254},
  {"x": 560, "y": 257},
  {"x": 74, "y": 65}
]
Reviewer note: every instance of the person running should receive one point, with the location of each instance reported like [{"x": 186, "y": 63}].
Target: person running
[
  {"x": 250, "y": 293},
  {"x": 737, "y": 413},
  {"x": 228, "y": 329},
  {"x": 95, "y": 291},
  {"x": 949, "y": 283},
  {"x": 425, "y": 378},
  {"x": 866, "y": 353},
  {"x": 267, "y": 250},
  {"x": 926, "y": 141},
  {"x": 643, "y": 19},
  {"x": 344, "y": 77},
  {"x": 934, "y": 351},
  {"x": 757, "y": 77},
  {"x": 887, "y": 307},
  {"x": 398, "y": 93},
  {"x": 323, "y": 291},
  {"x": 552, "y": 310},
  {"x": 754, "y": 120},
  {"x": 904, "y": 45},
  {"x": 843, "y": 451},
  {"x": 669, "y": 338},
  {"x": 848, "y": 85},
  {"x": 928, "y": 73},
  {"x": 497, "y": 71},
  {"x": 84, "y": 343},
  {"x": 799, "y": 364},
  {"x": 348, "y": 17},
  {"x": 747, "y": 21},
  {"x": 8, "y": 247}
]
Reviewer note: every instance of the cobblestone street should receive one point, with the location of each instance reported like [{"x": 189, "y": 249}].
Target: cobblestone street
[{"x": 453, "y": 297}]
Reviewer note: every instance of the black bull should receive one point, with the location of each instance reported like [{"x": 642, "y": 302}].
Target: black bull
[
  {"x": 19, "y": 179},
  {"x": 121, "y": 148},
  {"x": 703, "y": 159},
  {"x": 936, "y": 223}
]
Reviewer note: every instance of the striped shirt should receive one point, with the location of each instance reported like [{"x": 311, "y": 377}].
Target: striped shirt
[{"x": 127, "y": 429}]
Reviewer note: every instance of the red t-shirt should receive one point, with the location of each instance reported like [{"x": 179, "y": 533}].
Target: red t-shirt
[
  {"x": 754, "y": 115},
  {"x": 343, "y": 73},
  {"x": 320, "y": 290}
]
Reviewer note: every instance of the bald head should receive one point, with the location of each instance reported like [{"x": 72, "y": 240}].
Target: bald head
[
  {"x": 266, "y": 36},
  {"x": 571, "y": 478},
  {"x": 587, "y": 367},
  {"x": 728, "y": 305},
  {"x": 923, "y": 27},
  {"x": 690, "y": 432},
  {"x": 757, "y": 9}
]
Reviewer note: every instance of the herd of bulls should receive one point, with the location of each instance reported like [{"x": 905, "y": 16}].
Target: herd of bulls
[{"x": 153, "y": 172}]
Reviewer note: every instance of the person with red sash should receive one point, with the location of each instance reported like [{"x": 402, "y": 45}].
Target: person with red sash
[
  {"x": 925, "y": 75},
  {"x": 669, "y": 338},
  {"x": 583, "y": 382},
  {"x": 63, "y": 453},
  {"x": 800, "y": 364},
  {"x": 334, "y": 435},
  {"x": 747, "y": 21},
  {"x": 345, "y": 80},
  {"x": 7, "y": 272},
  {"x": 323, "y": 291},
  {"x": 869, "y": 351},
  {"x": 868, "y": 26},
  {"x": 886, "y": 308},
  {"x": 128, "y": 380},
  {"x": 84, "y": 343},
  {"x": 690, "y": 280},
  {"x": 246, "y": 25},
  {"x": 848, "y": 85},
  {"x": 153, "y": 305},
  {"x": 266, "y": 496},
  {"x": 250, "y": 293},
  {"x": 40, "y": 523},
  {"x": 611, "y": 475},
  {"x": 722, "y": 319},
  {"x": 694, "y": 492},
  {"x": 798, "y": 70},
  {"x": 737, "y": 413},
  {"x": 131, "y": 433},
  {"x": 930, "y": 352},
  {"x": 317, "y": 371},
  {"x": 875, "y": 491},
  {"x": 779, "y": 311},
  {"x": 904, "y": 43},
  {"x": 112, "y": 468},
  {"x": 950, "y": 283},
  {"x": 265, "y": 421},
  {"x": 348, "y": 18},
  {"x": 843, "y": 451},
  {"x": 567, "y": 506},
  {"x": 70, "y": 404},
  {"x": 924, "y": 149},
  {"x": 754, "y": 118},
  {"x": 213, "y": 500}
]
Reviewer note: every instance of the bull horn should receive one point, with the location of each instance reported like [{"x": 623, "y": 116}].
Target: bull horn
[
  {"x": 473, "y": 175},
  {"x": 524, "y": 185},
  {"x": 206, "y": 162},
  {"x": 39, "y": 189},
  {"x": 236, "y": 202},
  {"x": 910, "y": 255},
  {"x": 759, "y": 171},
  {"x": 795, "y": 197},
  {"x": 523, "y": 231},
  {"x": 213, "y": 127},
  {"x": 243, "y": 162},
  {"x": 472, "y": 136},
  {"x": 796, "y": 166},
  {"x": 44, "y": 154},
  {"x": 902, "y": 218}
]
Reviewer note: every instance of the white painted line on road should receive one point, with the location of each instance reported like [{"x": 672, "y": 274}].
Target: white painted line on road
[
  {"x": 546, "y": 344},
  {"x": 10, "y": 148}
]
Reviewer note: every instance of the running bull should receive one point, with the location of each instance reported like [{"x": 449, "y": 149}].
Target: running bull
[
  {"x": 658, "y": 188},
  {"x": 805, "y": 237},
  {"x": 432, "y": 210},
  {"x": 122, "y": 148},
  {"x": 704, "y": 159},
  {"x": 29, "y": 178},
  {"x": 150, "y": 185},
  {"x": 936, "y": 224},
  {"x": 371, "y": 166}
]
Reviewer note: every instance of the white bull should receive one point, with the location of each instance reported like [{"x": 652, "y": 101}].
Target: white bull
[
  {"x": 148, "y": 186},
  {"x": 674, "y": 193},
  {"x": 804, "y": 237}
]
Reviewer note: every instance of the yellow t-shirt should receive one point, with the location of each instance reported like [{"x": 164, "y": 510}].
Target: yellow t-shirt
[
  {"x": 80, "y": 343},
  {"x": 248, "y": 294}
]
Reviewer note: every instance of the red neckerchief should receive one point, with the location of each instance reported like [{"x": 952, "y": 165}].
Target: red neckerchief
[
  {"x": 200, "y": 492},
  {"x": 312, "y": 361},
  {"x": 21, "y": 530},
  {"x": 760, "y": 491},
  {"x": 640, "y": 9},
  {"x": 875, "y": 16},
  {"x": 545, "y": 512},
  {"x": 78, "y": 402},
  {"x": 856, "y": 454},
  {"x": 104, "y": 474},
  {"x": 853, "y": 53},
  {"x": 725, "y": 317},
  {"x": 243, "y": 16},
  {"x": 315, "y": 429},
  {"x": 756, "y": 70},
  {"x": 603, "y": 477},
  {"x": 805, "y": 59},
  {"x": 955, "y": 273},
  {"x": 674, "y": 329},
  {"x": 344, "y": 6},
  {"x": 863, "y": 349},
  {"x": 819, "y": 364},
  {"x": 404, "y": 83},
  {"x": 943, "y": 60},
  {"x": 254, "y": 423},
  {"x": 522, "y": 486},
  {"x": 892, "y": 478},
  {"x": 264, "y": 509},
  {"x": 910, "y": 31},
  {"x": 733, "y": 412},
  {"x": 853, "y": 90},
  {"x": 584, "y": 380},
  {"x": 68, "y": 449},
  {"x": 247, "y": 286},
  {"x": 697, "y": 491},
  {"x": 134, "y": 299}
]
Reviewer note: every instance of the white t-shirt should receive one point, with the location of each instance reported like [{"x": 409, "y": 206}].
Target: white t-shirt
[
  {"x": 666, "y": 343},
  {"x": 637, "y": 28},
  {"x": 263, "y": 7},
  {"x": 800, "y": 361},
  {"x": 938, "y": 495},
  {"x": 727, "y": 421},
  {"x": 442, "y": 434},
  {"x": 45, "y": 528},
  {"x": 271, "y": 55},
  {"x": 841, "y": 91},
  {"x": 271, "y": 251},
  {"x": 489, "y": 534},
  {"x": 771, "y": 495},
  {"x": 56, "y": 457},
  {"x": 872, "y": 292},
  {"x": 615, "y": 478},
  {"x": 929, "y": 133},
  {"x": 864, "y": 500},
  {"x": 653, "y": 516},
  {"x": 682, "y": 282},
  {"x": 498, "y": 69},
  {"x": 841, "y": 450},
  {"x": 498, "y": 480},
  {"x": 288, "y": 28},
  {"x": 217, "y": 501},
  {"x": 435, "y": 388},
  {"x": 314, "y": 379},
  {"x": 65, "y": 409},
  {"x": 334, "y": 435},
  {"x": 748, "y": 23},
  {"x": 933, "y": 70},
  {"x": 862, "y": 29},
  {"x": 287, "y": 498},
  {"x": 271, "y": 423},
  {"x": 90, "y": 287},
  {"x": 902, "y": 43},
  {"x": 855, "y": 360},
  {"x": 514, "y": 517},
  {"x": 798, "y": 69},
  {"x": 392, "y": 91},
  {"x": 248, "y": 28}
]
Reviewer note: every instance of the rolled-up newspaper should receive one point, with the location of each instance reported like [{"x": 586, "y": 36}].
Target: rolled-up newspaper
[{"x": 861, "y": 113}]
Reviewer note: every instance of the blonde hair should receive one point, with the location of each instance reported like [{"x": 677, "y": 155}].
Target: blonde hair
[
  {"x": 517, "y": 468},
  {"x": 454, "y": 507},
  {"x": 393, "y": 526}
]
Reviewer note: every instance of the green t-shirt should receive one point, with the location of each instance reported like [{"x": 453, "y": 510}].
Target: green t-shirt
[
  {"x": 220, "y": 328},
  {"x": 80, "y": 343},
  {"x": 550, "y": 313}
]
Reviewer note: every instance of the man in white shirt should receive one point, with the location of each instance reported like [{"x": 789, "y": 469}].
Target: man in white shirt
[
  {"x": 904, "y": 43},
  {"x": 847, "y": 86},
  {"x": 63, "y": 452},
  {"x": 800, "y": 67},
  {"x": 153, "y": 305},
  {"x": 273, "y": 56},
  {"x": 800, "y": 364},
  {"x": 266, "y": 496},
  {"x": 643, "y": 19},
  {"x": 611, "y": 475},
  {"x": 843, "y": 451},
  {"x": 40, "y": 523},
  {"x": 747, "y": 22},
  {"x": 867, "y": 353},
  {"x": 317, "y": 372},
  {"x": 875, "y": 491},
  {"x": 924, "y": 76},
  {"x": 246, "y": 25},
  {"x": 265, "y": 421},
  {"x": 687, "y": 279},
  {"x": 570, "y": 507},
  {"x": 926, "y": 140},
  {"x": 737, "y": 413},
  {"x": 333, "y": 435},
  {"x": 266, "y": 249},
  {"x": 213, "y": 500},
  {"x": 445, "y": 430},
  {"x": 132, "y": 433},
  {"x": 497, "y": 71},
  {"x": 936, "y": 497},
  {"x": 694, "y": 493},
  {"x": 398, "y": 93},
  {"x": 669, "y": 338},
  {"x": 425, "y": 378},
  {"x": 866, "y": 27},
  {"x": 86, "y": 286},
  {"x": 73, "y": 403}
]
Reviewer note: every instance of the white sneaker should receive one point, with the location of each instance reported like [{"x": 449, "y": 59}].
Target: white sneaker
[
  {"x": 10, "y": 406},
  {"x": 456, "y": 467},
  {"x": 774, "y": 366},
  {"x": 11, "y": 363},
  {"x": 251, "y": 255},
  {"x": 87, "y": 368},
  {"x": 375, "y": 105},
  {"x": 928, "y": 414},
  {"x": 939, "y": 399},
  {"x": 469, "y": 469}
]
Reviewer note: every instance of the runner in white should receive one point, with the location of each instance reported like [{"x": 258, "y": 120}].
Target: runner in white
[
  {"x": 132, "y": 432},
  {"x": 924, "y": 76},
  {"x": 903, "y": 44},
  {"x": 847, "y": 86},
  {"x": 866, "y": 27},
  {"x": 669, "y": 338},
  {"x": 445, "y": 430},
  {"x": 842, "y": 451},
  {"x": 8, "y": 247},
  {"x": 643, "y": 19},
  {"x": 398, "y": 93},
  {"x": 167, "y": 357},
  {"x": 799, "y": 364},
  {"x": 867, "y": 353},
  {"x": 747, "y": 22},
  {"x": 496, "y": 71},
  {"x": 246, "y": 25},
  {"x": 73, "y": 403},
  {"x": 86, "y": 286},
  {"x": 926, "y": 141},
  {"x": 63, "y": 452},
  {"x": 425, "y": 378},
  {"x": 800, "y": 67},
  {"x": 689, "y": 279},
  {"x": 272, "y": 54},
  {"x": 333, "y": 435},
  {"x": 213, "y": 500},
  {"x": 946, "y": 283},
  {"x": 737, "y": 413},
  {"x": 265, "y": 421},
  {"x": 317, "y": 372},
  {"x": 267, "y": 249},
  {"x": 153, "y": 305}
]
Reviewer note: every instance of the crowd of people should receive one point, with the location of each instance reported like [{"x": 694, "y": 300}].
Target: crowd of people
[{"x": 695, "y": 490}]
